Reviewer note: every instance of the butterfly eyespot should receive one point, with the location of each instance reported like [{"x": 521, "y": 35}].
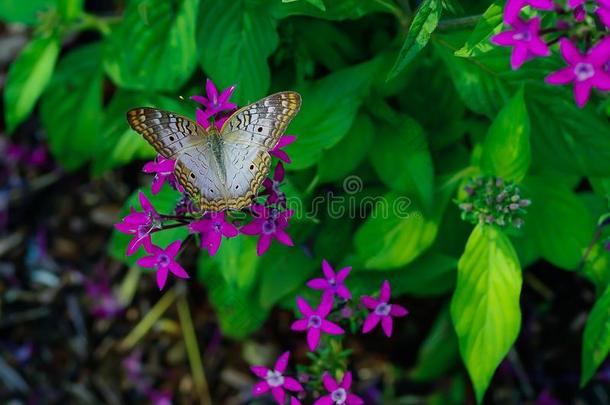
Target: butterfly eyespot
[
  {"x": 236, "y": 187},
  {"x": 192, "y": 175},
  {"x": 211, "y": 191},
  {"x": 251, "y": 167},
  {"x": 260, "y": 129},
  {"x": 171, "y": 138}
]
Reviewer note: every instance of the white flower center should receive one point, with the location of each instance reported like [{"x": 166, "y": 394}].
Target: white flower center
[
  {"x": 383, "y": 309},
  {"x": 275, "y": 378},
  {"x": 163, "y": 260},
  {"x": 524, "y": 36},
  {"x": 339, "y": 396},
  {"x": 314, "y": 321},
  {"x": 584, "y": 71}
]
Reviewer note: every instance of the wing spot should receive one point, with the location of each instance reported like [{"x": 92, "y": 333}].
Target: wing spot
[
  {"x": 192, "y": 175},
  {"x": 171, "y": 138},
  {"x": 260, "y": 129},
  {"x": 251, "y": 167},
  {"x": 236, "y": 187}
]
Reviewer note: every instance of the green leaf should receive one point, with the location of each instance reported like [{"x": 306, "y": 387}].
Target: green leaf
[
  {"x": 70, "y": 9},
  {"x": 234, "y": 40},
  {"x": 164, "y": 203},
  {"x": 423, "y": 25},
  {"x": 318, "y": 3},
  {"x": 71, "y": 108},
  {"x": 596, "y": 338},
  {"x": 25, "y": 12},
  {"x": 597, "y": 267},
  {"x": 153, "y": 48},
  {"x": 558, "y": 222},
  {"x": 411, "y": 171},
  {"x": 237, "y": 261},
  {"x": 27, "y": 78},
  {"x": 396, "y": 233},
  {"x": 489, "y": 24},
  {"x": 506, "y": 151},
  {"x": 118, "y": 144},
  {"x": 328, "y": 111},
  {"x": 343, "y": 158},
  {"x": 335, "y": 10},
  {"x": 485, "y": 304},
  {"x": 439, "y": 352}
]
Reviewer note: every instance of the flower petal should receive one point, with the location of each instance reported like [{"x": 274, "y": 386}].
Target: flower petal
[
  {"x": 369, "y": 302},
  {"x": 253, "y": 228},
  {"x": 304, "y": 307},
  {"x": 601, "y": 80},
  {"x": 343, "y": 292},
  {"x": 213, "y": 242},
  {"x": 582, "y": 91},
  {"x": 282, "y": 362},
  {"x": 518, "y": 56},
  {"x": 279, "y": 395},
  {"x": 325, "y": 400},
  {"x": 327, "y": 270},
  {"x": 147, "y": 261},
  {"x": 283, "y": 237},
  {"x": 331, "y": 328},
  {"x": 229, "y": 230},
  {"x": 543, "y": 4},
  {"x": 329, "y": 383},
  {"x": 353, "y": 400},
  {"x": 600, "y": 53},
  {"x": 346, "y": 383},
  {"x": 570, "y": 52},
  {"x": 505, "y": 38},
  {"x": 162, "y": 277},
  {"x": 259, "y": 371},
  {"x": 342, "y": 274},
  {"x": 177, "y": 270},
  {"x": 512, "y": 10},
  {"x": 385, "y": 292},
  {"x": 562, "y": 76},
  {"x": 173, "y": 248},
  {"x": 326, "y": 305},
  {"x": 318, "y": 284},
  {"x": 263, "y": 244},
  {"x": 292, "y": 384},
  {"x": 370, "y": 322},
  {"x": 313, "y": 338},
  {"x": 398, "y": 310},
  {"x": 386, "y": 325},
  {"x": 260, "y": 388},
  {"x": 299, "y": 325}
]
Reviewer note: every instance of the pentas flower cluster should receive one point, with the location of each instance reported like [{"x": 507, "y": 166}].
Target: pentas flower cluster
[
  {"x": 580, "y": 27},
  {"x": 491, "y": 200},
  {"x": 321, "y": 324},
  {"x": 268, "y": 213}
]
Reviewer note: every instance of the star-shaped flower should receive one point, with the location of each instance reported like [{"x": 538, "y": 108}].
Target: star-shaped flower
[
  {"x": 272, "y": 186},
  {"x": 586, "y": 71},
  {"x": 315, "y": 322},
  {"x": 513, "y": 8},
  {"x": 332, "y": 283},
  {"x": 285, "y": 140},
  {"x": 603, "y": 12},
  {"x": 212, "y": 230},
  {"x": 524, "y": 37},
  {"x": 275, "y": 380},
  {"x": 164, "y": 261},
  {"x": 214, "y": 102},
  {"x": 164, "y": 171},
  {"x": 140, "y": 224},
  {"x": 338, "y": 392},
  {"x": 269, "y": 223},
  {"x": 382, "y": 310}
]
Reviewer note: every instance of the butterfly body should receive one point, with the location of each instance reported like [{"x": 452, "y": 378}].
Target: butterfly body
[{"x": 220, "y": 169}]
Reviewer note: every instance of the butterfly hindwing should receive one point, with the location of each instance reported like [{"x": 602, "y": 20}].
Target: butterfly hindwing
[{"x": 167, "y": 132}]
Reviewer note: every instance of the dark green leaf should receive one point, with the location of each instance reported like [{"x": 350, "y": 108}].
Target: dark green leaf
[
  {"x": 596, "y": 338},
  {"x": 335, "y": 10},
  {"x": 27, "y": 78},
  {"x": 154, "y": 46},
  {"x": 234, "y": 40},
  {"x": 25, "y": 12},
  {"x": 485, "y": 305},
  {"x": 423, "y": 25},
  {"x": 71, "y": 108}
]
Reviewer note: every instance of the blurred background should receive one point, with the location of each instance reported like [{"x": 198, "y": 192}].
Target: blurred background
[{"x": 81, "y": 323}]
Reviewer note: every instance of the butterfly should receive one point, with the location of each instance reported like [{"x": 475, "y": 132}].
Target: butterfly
[{"x": 220, "y": 169}]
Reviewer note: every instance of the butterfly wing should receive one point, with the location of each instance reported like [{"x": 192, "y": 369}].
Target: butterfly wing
[
  {"x": 247, "y": 137},
  {"x": 167, "y": 132}
]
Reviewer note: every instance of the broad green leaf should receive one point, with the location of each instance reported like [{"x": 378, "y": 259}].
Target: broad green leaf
[
  {"x": 489, "y": 24},
  {"x": 485, "y": 304},
  {"x": 558, "y": 222},
  {"x": 422, "y": 26},
  {"x": 27, "y": 78},
  {"x": 339, "y": 161},
  {"x": 564, "y": 138},
  {"x": 596, "y": 338},
  {"x": 439, "y": 352},
  {"x": 506, "y": 151},
  {"x": 597, "y": 267},
  {"x": 237, "y": 308},
  {"x": 237, "y": 261},
  {"x": 70, "y": 9},
  {"x": 396, "y": 233},
  {"x": 25, "y": 12},
  {"x": 402, "y": 160},
  {"x": 153, "y": 48},
  {"x": 117, "y": 143},
  {"x": 164, "y": 203},
  {"x": 71, "y": 107},
  {"x": 234, "y": 40},
  {"x": 318, "y": 3},
  {"x": 335, "y": 10},
  {"x": 328, "y": 111}
]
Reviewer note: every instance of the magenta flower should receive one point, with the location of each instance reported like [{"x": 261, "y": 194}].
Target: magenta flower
[
  {"x": 215, "y": 103},
  {"x": 212, "y": 230},
  {"x": 275, "y": 380},
  {"x": 525, "y": 39},
  {"x": 269, "y": 223},
  {"x": 513, "y": 8},
  {"x": 140, "y": 224},
  {"x": 272, "y": 186},
  {"x": 315, "y": 322},
  {"x": 164, "y": 261},
  {"x": 586, "y": 71},
  {"x": 603, "y": 12},
  {"x": 163, "y": 169},
  {"x": 285, "y": 140},
  {"x": 332, "y": 283},
  {"x": 338, "y": 392},
  {"x": 382, "y": 310}
]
